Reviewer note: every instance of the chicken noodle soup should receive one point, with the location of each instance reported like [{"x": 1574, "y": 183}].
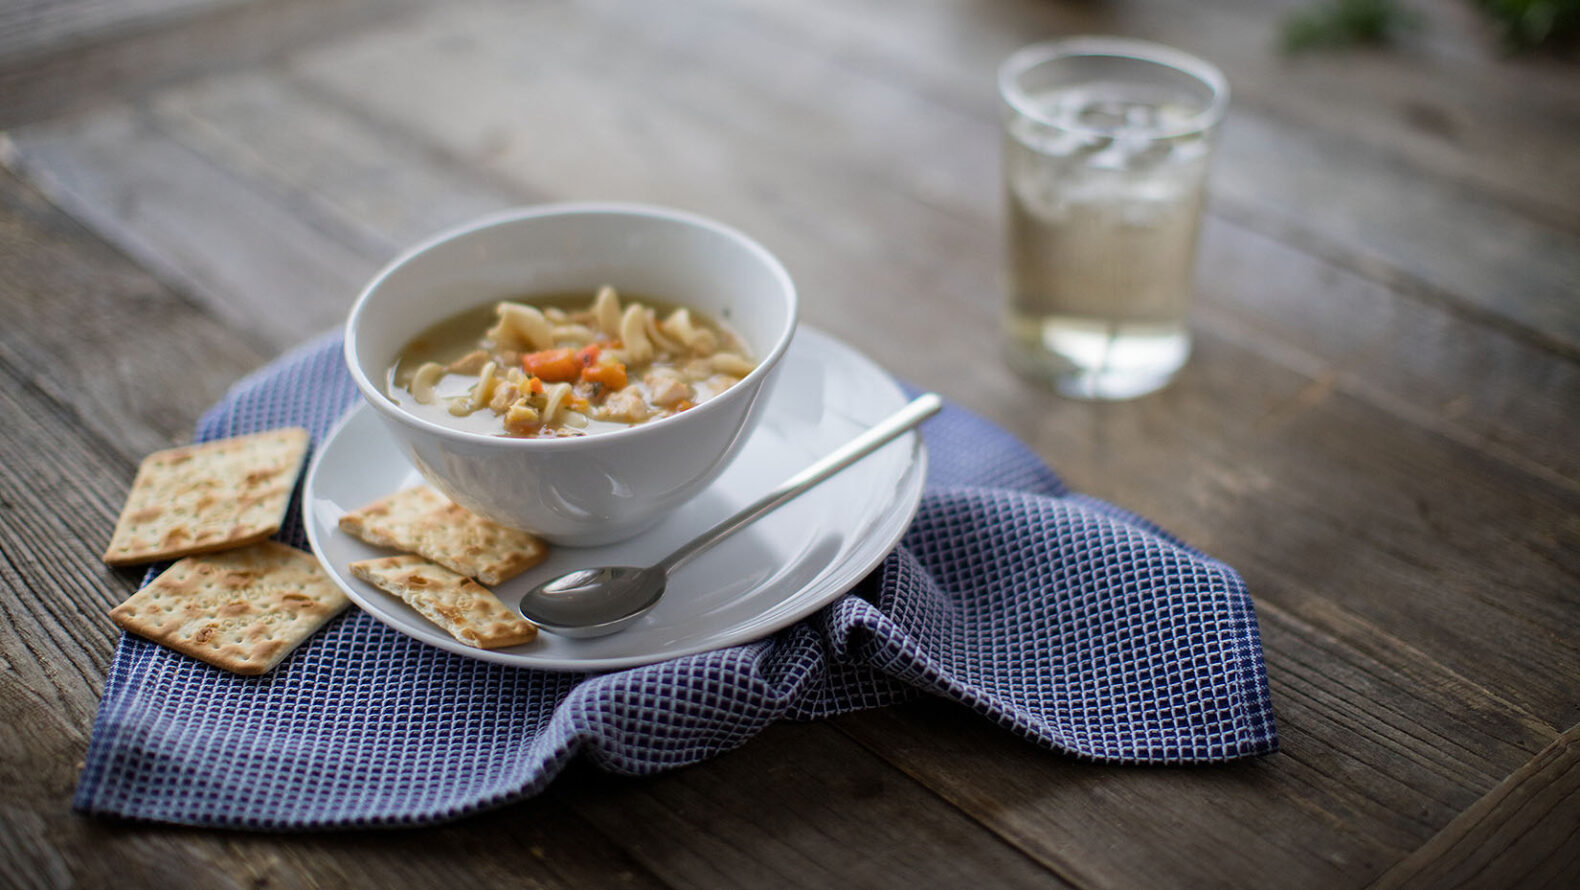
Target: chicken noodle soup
[{"x": 564, "y": 366}]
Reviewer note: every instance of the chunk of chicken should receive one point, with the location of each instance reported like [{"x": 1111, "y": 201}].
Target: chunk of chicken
[
  {"x": 521, "y": 418},
  {"x": 666, "y": 389},
  {"x": 469, "y": 364},
  {"x": 505, "y": 395},
  {"x": 623, "y": 406}
]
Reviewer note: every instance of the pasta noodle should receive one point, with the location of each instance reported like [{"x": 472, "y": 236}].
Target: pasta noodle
[
  {"x": 656, "y": 337},
  {"x": 423, "y": 381},
  {"x": 553, "y": 398},
  {"x": 606, "y": 308},
  {"x": 522, "y": 325},
  {"x": 730, "y": 363},
  {"x": 566, "y": 366},
  {"x": 633, "y": 333}
]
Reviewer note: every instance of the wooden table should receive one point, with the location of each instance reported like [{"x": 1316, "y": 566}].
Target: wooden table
[{"x": 1380, "y": 426}]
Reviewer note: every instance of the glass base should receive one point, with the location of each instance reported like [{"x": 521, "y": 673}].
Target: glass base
[{"x": 1098, "y": 359}]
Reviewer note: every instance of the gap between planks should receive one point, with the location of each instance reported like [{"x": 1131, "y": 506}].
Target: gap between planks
[
  {"x": 1364, "y": 198},
  {"x": 901, "y": 63},
  {"x": 1523, "y": 833},
  {"x": 1356, "y": 799},
  {"x": 161, "y": 46},
  {"x": 1361, "y": 400},
  {"x": 488, "y": 183},
  {"x": 610, "y": 826},
  {"x": 60, "y": 497}
]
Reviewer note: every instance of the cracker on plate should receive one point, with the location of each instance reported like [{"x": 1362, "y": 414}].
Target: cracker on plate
[
  {"x": 422, "y": 521},
  {"x": 243, "y": 610},
  {"x": 466, "y": 610},
  {"x": 213, "y": 496}
]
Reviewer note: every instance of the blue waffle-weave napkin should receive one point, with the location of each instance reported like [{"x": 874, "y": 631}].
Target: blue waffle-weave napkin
[{"x": 1067, "y": 621}]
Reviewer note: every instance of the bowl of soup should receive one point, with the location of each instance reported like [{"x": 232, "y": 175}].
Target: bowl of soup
[{"x": 574, "y": 370}]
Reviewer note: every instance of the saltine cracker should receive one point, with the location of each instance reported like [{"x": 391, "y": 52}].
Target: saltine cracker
[
  {"x": 422, "y": 521},
  {"x": 208, "y": 497},
  {"x": 243, "y": 610},
  {"x": 466, "y": 610}
]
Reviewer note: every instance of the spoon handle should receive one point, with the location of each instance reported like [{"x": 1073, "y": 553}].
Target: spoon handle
[{"x": 918, "y": 410}]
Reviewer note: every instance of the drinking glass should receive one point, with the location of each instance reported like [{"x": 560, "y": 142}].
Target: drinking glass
[{"x": 1107, "y": 142}]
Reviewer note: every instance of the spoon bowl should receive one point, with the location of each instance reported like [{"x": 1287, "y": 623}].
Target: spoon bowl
[{"x": 594, "y": 602}]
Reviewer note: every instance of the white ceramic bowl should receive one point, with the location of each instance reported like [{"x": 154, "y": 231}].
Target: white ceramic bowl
[{"x": 605, "y": 487}]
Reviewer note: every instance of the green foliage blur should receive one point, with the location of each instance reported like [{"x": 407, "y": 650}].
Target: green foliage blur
[
  {"x": 1531, "y": 23},
  {"x": 1336, "y": 23},
  {"x": 1523, "y": 24}
]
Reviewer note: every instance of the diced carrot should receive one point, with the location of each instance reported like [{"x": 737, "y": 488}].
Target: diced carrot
[
  {"x": 535, "y": 386},
  {"x": 610, "y": 374},
  {"x": 588, "y": 355},
  {"x": 552, "y": 365}
]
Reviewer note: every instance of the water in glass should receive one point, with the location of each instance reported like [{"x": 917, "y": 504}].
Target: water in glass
[{"x": 1102, "y": 223}]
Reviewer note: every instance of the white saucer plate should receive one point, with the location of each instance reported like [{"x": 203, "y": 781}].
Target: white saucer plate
[{"x": 771, "y": 574}]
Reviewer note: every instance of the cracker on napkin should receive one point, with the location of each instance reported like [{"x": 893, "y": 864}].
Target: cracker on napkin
[
  {"x": 467, "y": 610},
  {"x": 243, "y": 610},
  {"x": 213, "y": 496},
  {"x": 422, "y": 521}
]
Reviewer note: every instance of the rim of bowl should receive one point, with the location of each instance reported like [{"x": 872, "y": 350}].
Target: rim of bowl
[{"x": 380, "y": 401}]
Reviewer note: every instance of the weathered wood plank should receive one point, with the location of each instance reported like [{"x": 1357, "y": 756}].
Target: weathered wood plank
[
  {"x": 1400, "y": 228},
  {"x": 1463, "y": 113},
  {"x": 230, "y": 35},
  {"x": 1508, "y": 397},
  {"x": 1390, "y": 349},
  {"x": 253, "y": 260},
  {"x": 383, "y": 188},
  {"x": 1386, "y": 459},
  {"x": 1313, "y": 495},
  {"x": 1497, "y": 255},
  {"x": 796, "y": 809},
  {"x": 1401, "y": 350},
  {"x": 102, "y": 337},
  {"x": 1215, "y": 391},
  {"x": 1381, "y": 747},
  {"x": 1523, "y": 833},
  {"x": 61, "y": 492},
  {"x": 558, "y": 132},
  {"x": 373, "y": 74},
  {"x": 70, "y": 456},
  {"x": 31, "y": 29}
]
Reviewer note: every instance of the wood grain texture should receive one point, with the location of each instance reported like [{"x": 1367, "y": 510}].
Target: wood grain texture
[
  {"x": 798, "y": 808},
  {"x": 130, "y": 47},
  {"x": 258, "y": 266},
  {"x": 562, "y": 130},
  {"x": 61, "y": 495},
  {"x": 1524, "y": 833},
  {"x": 377, "y": 193},
  {"x": 32, "y": 29},
  {"x": 73, "y": 296},
  {"x": 1376, "y": 428},
  {"x": 1337, "y": 134},
  {"x": 1353, "y": 330},
  {"x": 1373, "y": 734},
  {"x": 60, "y": 489}
]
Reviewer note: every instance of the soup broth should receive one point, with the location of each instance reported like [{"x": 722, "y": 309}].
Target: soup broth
[{"x": 565, "y": 365}]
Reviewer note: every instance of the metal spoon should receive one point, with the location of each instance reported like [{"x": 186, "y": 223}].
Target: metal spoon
[{"x": 599, "y": 601}]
